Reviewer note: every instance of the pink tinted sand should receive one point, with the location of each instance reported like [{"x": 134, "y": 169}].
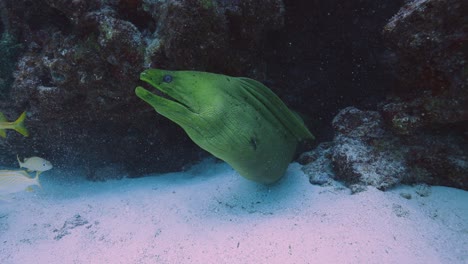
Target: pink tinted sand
[{"x": 211, "y": 215}]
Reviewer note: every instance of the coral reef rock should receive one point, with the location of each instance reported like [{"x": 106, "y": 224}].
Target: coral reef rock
[
  {"x": 419, "y": 134},
  {"x": 317, "y": 164},
  {"x": 428, "y": 42},
  {"x": 363, "y": 152},
  {"x": 366, "y": 152}
]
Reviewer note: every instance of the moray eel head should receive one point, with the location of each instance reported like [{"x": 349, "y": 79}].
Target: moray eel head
[
  {"x": 238, "y": 120},
  {"x": 168, "y": 83},
  {"x": 187, "y": 92}
]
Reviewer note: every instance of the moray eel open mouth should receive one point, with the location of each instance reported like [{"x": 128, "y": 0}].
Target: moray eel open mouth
[{"x": 163, "y": 97}]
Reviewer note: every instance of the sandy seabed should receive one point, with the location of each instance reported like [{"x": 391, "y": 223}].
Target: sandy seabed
[{"x": 210, "y": 214}]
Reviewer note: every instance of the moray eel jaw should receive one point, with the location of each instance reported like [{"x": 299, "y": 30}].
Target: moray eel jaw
[
  {"x": 192, "y": 95},
  {"x": 159, "y": 80},
  {"x": 178, "y": 108}
]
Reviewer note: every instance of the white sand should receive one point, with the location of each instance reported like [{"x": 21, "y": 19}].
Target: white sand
[{"x": 212, "y": 215}]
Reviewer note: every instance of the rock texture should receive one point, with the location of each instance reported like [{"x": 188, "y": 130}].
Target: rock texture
[
  {"x": 318, "y": 164},
  {"x": 365, "y": 151},
  {"x": 219, "y": 36},
  {"x": 428, "y": 41},
  {"x": 420, "y": 132}
]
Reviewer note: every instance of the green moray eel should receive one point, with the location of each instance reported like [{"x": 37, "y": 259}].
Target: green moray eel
[{"x": 238, "y": 120}]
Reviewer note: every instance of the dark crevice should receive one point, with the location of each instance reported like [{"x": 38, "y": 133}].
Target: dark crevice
[
  {"x": 132, "y": 11},
  {"x": 331, "y": 50}
]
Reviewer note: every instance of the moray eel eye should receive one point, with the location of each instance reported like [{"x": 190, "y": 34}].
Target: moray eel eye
[{"x": 167, "y": 78}]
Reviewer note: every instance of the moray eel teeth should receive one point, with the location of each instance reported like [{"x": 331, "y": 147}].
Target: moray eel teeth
[{"x": 238, "y": 120}]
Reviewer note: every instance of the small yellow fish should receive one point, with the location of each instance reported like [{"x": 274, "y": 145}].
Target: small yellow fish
[
  {"x": 18, "y": 125},
  {"x": 35, "y": 164},
  {"x": 16, "y": 181}
]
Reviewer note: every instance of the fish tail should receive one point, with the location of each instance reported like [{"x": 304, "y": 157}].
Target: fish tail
[
  {"x": 2, "y": 131},
  {"x": 18, "y": 125},
  {"x": 38, "y": 183}
]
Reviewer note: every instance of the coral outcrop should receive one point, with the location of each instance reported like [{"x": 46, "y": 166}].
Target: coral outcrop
[
  {"x": 419, "y": 133},
  {"x": 365, "y": 151},
  {"x": 428, "y": 42}
]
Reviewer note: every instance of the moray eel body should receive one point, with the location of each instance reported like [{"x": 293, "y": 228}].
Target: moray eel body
[{"x": 238, "y": 120}]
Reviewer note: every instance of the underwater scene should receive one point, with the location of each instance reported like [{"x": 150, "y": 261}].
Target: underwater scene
[{"x": 233, "y": 131}]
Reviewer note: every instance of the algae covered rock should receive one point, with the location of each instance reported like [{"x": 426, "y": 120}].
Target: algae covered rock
[{"x": 215, "y": 35}]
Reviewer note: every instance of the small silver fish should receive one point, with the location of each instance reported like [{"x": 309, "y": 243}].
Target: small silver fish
[
  {"x": 35, "y": 164},
  {"x": 15, "y": 181}
]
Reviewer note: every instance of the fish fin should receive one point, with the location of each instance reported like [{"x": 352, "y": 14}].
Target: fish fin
[
  {"x": 274, "y": 105},
  {"x": 25, "y": 173},
  {"x": 19, "y": 161},
  {"x": 2, "y": 133},
  {"x": 37, "y": 179},
  {"x": 18, "y": 125},
  {"x": 300, "y": 116}
]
